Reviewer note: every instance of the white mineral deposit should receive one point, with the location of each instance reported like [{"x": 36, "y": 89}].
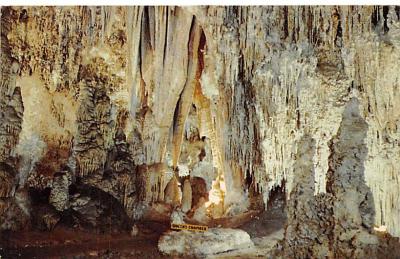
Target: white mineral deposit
[{"x": 275, "y": 130}]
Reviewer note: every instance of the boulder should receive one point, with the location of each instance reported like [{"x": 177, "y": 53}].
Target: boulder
[{"x": 213, "y": 241}]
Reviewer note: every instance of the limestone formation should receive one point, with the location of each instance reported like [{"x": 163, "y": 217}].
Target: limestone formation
[
  {"x": 186, "y": 196},
  {"x": 59, "y": 195},
  {"x": 172, "y": 193},
  {"x": 202, "y": 244},
  {"x": 310, "y": 218},
  {"x": 204, "y": 110}
]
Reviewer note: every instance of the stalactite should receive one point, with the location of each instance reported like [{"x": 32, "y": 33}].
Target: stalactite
[
  {"x": 264, "y": 77},
  {"x": 301, "y": 83},
  {"x": 186, "y": 98}
]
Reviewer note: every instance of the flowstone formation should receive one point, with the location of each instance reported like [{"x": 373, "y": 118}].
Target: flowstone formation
[{"x": 110, "y": 115}]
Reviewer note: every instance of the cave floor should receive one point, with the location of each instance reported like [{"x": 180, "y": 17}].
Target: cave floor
[
  {"x": 264, "y": 229},
  {"x": 72, "y": 243}
]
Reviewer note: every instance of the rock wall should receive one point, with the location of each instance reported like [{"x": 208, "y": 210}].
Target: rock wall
[
  {"x": 108, "y": 94},
  {"x": 13, "y": 212}
]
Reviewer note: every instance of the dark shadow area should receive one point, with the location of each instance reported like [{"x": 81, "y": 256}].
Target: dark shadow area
[
  {"x": 273, "y": 218},
  {"x": 94, "y": 209}
]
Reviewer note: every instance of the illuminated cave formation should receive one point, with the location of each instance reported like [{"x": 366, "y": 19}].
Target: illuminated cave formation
[{"x": 277, "y": 128}]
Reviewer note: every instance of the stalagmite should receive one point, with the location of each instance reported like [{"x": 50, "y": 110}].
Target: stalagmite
[
  {"x": 59, "y": 195},
  {"x": 309, "y": 216},
  {"x": 204, "y": 112},
  {"x": 186, "y": 196},
  {"x": 353, "y": 205},
  {"x": 172, "y": 192}
]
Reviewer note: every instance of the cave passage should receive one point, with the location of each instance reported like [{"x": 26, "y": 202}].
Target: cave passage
[{"x": 199, "y": 132}]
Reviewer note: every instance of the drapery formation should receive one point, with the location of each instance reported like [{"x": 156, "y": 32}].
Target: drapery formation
[{"x": 225, "y": 93}]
